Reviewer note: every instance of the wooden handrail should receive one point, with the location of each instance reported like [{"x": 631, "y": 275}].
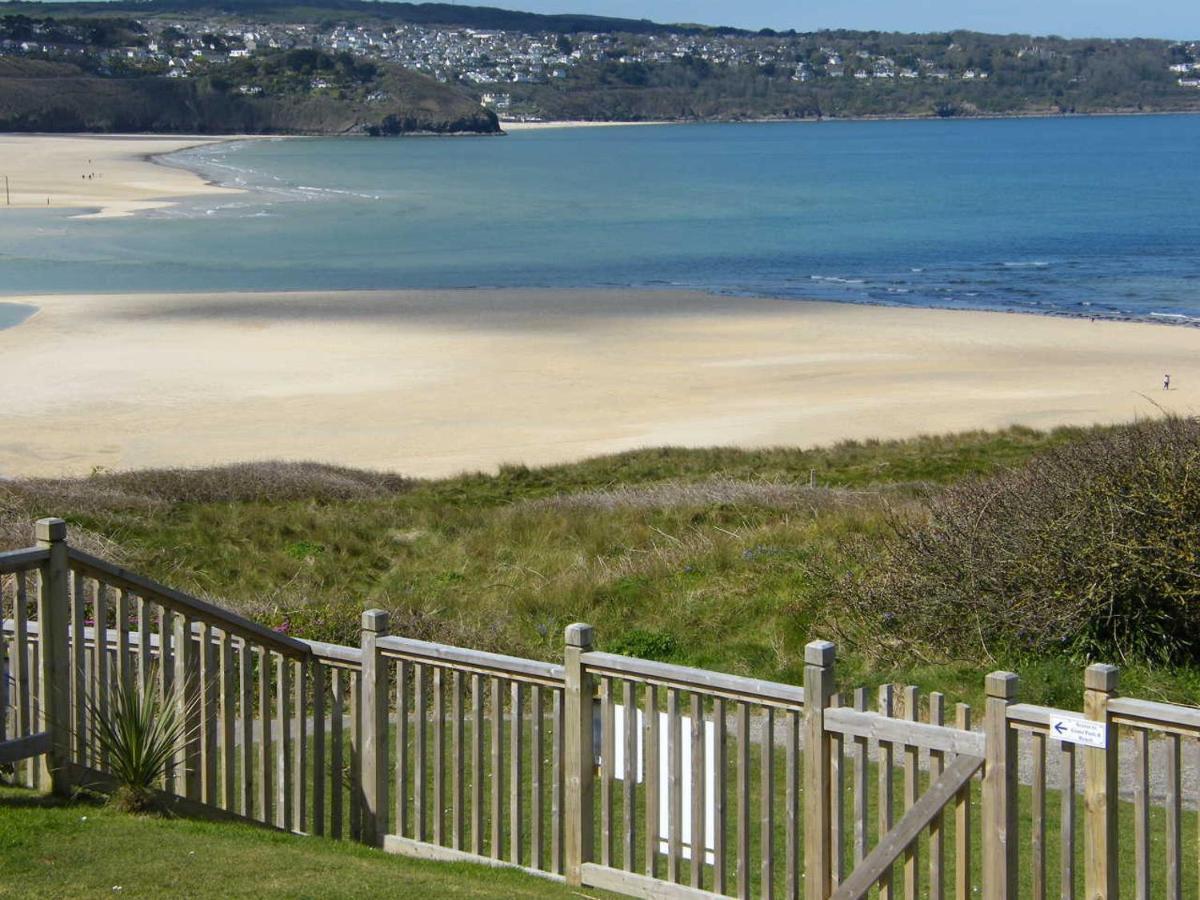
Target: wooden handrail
[
  {"x": 12, "y": 561},
  {"x": 1151, "y": 714},
  {"x": 335, "y": 654},
  {"x": 1031, "y": 716},
  {"x": 753, "y": 690},
  {"x": 513, "y": 667},
  {"x": 899, "y": 731},
  {"x": 116, "y": 576}
]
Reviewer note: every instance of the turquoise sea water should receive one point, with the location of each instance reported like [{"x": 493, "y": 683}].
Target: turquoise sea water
[{"x": 1097, "y": 216}]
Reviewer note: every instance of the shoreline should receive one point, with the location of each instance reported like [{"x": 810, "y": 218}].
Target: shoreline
[
  {"x": 1158, "y": 320},
  {"x": 103, "y": 176},
  {"x": 555, "y": 124},
  {"x": 163, "y": 158},
  {"x": 819, "y": 120},
  {"x": 432, "y": 383}
]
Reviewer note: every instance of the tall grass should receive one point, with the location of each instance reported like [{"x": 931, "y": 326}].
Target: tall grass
[{"x": 714, "y": 557}]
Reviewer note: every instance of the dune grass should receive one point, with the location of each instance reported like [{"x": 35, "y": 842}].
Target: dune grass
[{"x": 714, "y": 558}]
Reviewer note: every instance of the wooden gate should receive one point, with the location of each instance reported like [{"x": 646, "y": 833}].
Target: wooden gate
[
  {"x": 947, "y": 757},
  {"x": 948, "y": 784}
]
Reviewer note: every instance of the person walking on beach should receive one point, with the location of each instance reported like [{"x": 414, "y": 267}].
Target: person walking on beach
[{"x": 1166, "y": 382}]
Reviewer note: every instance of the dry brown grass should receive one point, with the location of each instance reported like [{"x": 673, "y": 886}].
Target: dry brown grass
[
  {"x": 151, "y": 489},
  {"x": 719, "y": 491},
  {"x": 153, "y": 492}
]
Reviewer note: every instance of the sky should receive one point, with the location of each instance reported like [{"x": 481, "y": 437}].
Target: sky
[{"x": 1178, "y": 19}]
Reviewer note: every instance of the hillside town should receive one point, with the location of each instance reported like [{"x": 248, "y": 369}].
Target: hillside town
[{"x": 487, "y": 60}]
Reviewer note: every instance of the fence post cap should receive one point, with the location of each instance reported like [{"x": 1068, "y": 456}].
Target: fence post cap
[
  {"x": 50, "y": 530},
  {"x": 820, "y": 653},
  {"x": 375, "y": 620},
  {"x": 579, "y": 634},
  {"x": 1101, "y": 677},
  {"x": 1002, "y": 685}
]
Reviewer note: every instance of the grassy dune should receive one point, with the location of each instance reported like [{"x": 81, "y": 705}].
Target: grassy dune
[{"x": 718, "y": 558}]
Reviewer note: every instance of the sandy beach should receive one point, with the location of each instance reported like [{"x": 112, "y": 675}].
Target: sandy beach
[
  {"x": 53, "y": 171},
  {"x": 432, "y": 383}
]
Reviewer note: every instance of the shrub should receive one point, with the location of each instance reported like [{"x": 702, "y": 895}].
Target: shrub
[
  {"x": 140, "y": 735},
  {"x": 1090, "y": 547},
  {"x": 644, "y": 644}
]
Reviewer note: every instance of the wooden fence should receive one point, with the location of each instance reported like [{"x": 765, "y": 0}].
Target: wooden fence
[{"x": 640, "y": 777}]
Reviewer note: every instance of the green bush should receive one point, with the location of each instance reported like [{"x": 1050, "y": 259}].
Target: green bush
[
  {"x": 644, "y": 644},
  {"x": 1090, "y": 548}
]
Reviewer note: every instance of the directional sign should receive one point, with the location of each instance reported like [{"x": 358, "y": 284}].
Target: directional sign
[{"x": 1079, "y": 731}]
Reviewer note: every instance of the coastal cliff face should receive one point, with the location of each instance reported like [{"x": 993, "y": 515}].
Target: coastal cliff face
[{"x": 55, "y": 97}]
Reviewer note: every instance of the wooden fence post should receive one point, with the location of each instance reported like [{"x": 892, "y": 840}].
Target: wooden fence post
[
  {"x": 54, "y": 612},
  {"x": 1100, "y": 788},
  {"x": 819, "y": 687},
  {"x": 579, "y": 758},
  {"x": 373, "y": 769},
  {"x": 999, "y": 790}
]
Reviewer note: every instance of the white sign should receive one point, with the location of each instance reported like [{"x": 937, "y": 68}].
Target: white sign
[
  {"x": 1079, "y": 731},
  {"x": 685, "y": 747}
]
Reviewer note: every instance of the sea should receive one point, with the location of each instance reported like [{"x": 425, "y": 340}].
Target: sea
[{"x": 1069, "y": 216}]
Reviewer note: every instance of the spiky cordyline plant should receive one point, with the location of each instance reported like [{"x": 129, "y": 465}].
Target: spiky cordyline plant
[{"x": 139, "y": 734}]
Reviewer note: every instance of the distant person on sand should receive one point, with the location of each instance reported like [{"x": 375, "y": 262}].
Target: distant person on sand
[{"x": 1166, "y": 382}]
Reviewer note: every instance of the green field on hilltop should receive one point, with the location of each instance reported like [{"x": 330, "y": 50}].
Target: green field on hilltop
[{"x": 720, "y": 558}]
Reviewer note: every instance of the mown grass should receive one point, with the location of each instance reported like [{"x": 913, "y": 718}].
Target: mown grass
[
  {"x": 716, "y": 558},
  {"x": 54, "y": 848},
  {"x": 59, "y": 849}
]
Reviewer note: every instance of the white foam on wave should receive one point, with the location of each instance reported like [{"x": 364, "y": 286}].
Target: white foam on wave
[
  {"x": 1179, "y": 317},
  {"x": 835, "y": 279},
  {"x": 309, "y": 189}
]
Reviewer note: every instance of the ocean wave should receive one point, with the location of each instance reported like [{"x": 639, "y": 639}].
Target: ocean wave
[
  {"x": 1026, "y": 264},
  {"x": 835, "y": 279},
  {"x": 337, "y": 192},
  {"x": 1178, "y": 317}
]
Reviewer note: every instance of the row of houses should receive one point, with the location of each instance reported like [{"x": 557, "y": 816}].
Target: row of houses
[{"x": 489, "y": 59}]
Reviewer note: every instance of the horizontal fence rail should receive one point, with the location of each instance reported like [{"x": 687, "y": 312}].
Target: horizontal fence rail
[{"x": 636, "y": 776}]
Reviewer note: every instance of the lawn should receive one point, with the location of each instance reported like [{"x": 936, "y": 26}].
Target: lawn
[{"x": 57, "y": 849}]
